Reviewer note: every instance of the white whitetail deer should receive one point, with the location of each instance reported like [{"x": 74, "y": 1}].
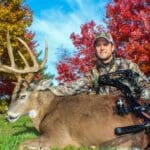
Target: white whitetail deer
[
  {"x": 72, "y": 120},
  {"x": 29, "y": 70}
]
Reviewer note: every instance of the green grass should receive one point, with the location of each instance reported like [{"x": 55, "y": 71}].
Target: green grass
[{"x": 11, "y": 134}]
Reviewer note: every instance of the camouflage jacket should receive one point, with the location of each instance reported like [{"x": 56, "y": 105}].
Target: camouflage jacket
[{"x": 90, "y": 80}]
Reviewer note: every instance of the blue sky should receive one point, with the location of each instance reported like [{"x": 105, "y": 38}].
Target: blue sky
[{"x": 55, "y": 20}]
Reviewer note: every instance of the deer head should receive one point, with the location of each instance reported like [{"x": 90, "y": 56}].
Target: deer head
[
  {"x": 32, "y": 101},
  {"x": 24, "y": 76}
]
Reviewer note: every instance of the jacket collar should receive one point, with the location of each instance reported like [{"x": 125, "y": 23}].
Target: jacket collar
[{"x": 100, "y": 64}]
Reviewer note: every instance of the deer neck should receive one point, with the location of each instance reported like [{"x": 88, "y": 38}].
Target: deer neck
[
  {"x": 42, "y": 110},
  {"x": 37, "y": 120}
]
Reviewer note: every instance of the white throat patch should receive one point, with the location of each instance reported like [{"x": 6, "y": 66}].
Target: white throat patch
[{"x": 32, "y": 113}]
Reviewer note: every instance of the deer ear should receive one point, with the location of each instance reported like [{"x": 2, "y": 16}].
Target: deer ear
[{"x": 44, "y": 84}]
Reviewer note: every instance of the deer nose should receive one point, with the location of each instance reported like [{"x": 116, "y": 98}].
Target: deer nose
[{"x": 12, "y": 117}]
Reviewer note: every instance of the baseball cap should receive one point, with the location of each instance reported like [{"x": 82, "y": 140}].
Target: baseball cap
[{"x": 104, "y": 35}]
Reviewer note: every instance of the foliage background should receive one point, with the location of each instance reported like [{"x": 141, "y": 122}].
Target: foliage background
[{"x": 129, "y": 23}]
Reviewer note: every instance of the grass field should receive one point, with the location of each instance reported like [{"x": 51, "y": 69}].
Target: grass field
[{"x": 11, "y": 134}]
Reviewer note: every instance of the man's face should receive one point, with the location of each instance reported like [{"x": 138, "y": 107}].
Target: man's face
[{"x": 104, "y": 50}]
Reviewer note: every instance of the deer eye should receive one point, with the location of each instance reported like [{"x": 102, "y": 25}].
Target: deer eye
[{"x": 22, "y": 97}]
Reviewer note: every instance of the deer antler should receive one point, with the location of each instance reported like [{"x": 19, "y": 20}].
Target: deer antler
[
  {"x": 13, "y": 68},
  {"x": 27, "y": 69}
]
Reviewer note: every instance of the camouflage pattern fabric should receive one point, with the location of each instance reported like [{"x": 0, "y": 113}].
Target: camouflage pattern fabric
[{"x": 90, "y": 80}]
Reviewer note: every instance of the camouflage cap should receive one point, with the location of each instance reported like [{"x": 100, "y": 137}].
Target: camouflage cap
[{"x": 104, "y": 35}]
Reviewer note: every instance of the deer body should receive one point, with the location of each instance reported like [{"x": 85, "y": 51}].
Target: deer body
[{"x": 72, "y": 120}]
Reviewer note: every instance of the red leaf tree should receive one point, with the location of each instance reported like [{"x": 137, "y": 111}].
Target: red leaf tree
[
  {"x": 129, "y": 23},
  {"x": 83, "y": 60}
]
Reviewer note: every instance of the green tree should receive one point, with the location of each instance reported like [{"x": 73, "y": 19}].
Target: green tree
[{"x": 15, "y": 17}]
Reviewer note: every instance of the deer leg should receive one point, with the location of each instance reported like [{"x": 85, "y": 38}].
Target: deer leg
[
  {"x": 40, "y": 143},
  {"x": 129, "y": 142},
  {"x": 56, "y": 136},
  {"x": 59, "y": 136},
  {"x": 147, "y": 145},
  {"x": 137, "y": 142}
]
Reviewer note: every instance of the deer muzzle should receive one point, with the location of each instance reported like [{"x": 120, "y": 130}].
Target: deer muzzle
[{"x": 12, "y": 117}]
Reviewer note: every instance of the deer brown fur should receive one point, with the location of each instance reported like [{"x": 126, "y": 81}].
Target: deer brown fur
[{"x": 73, "y": 120}]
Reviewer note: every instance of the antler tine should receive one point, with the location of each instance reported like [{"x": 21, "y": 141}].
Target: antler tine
[
  {"x": 4, "y": 68},
  {"x": 17, "y": 86},
  {"x": 10, "y": 51},
  {"x": 36, "y": 66},
  {"x": 46, "y": 54},
  {"x": 23, "y": 58}
]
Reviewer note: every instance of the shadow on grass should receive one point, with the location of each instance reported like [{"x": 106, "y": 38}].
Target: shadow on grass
[{"x": 26, "y": 130}]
